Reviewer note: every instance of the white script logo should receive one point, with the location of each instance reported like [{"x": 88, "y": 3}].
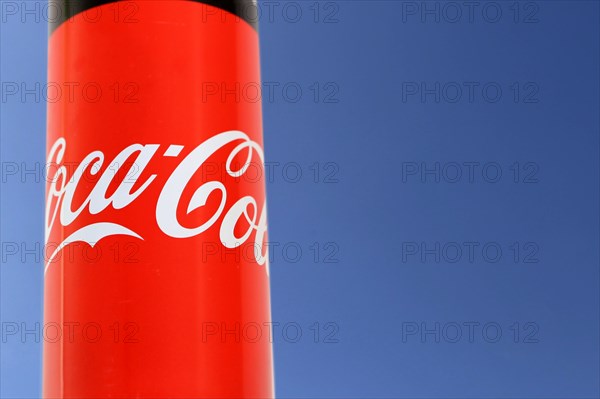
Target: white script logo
[{"x": 62, "y": 189}]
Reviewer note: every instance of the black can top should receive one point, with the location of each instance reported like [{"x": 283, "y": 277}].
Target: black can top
[{"x": 65, "y": 9}]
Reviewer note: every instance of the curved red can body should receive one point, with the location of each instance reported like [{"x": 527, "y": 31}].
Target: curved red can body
[{"x": 156, "y": 269}]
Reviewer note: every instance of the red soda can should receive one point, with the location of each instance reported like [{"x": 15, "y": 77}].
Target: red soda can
[{"x": 156, "y": 264}]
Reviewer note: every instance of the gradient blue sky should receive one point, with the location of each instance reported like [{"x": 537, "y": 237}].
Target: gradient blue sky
[{"x": 374, "y": 211}]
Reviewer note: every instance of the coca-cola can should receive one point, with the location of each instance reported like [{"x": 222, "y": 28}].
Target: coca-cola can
[{"x": 156, "y": 266}]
